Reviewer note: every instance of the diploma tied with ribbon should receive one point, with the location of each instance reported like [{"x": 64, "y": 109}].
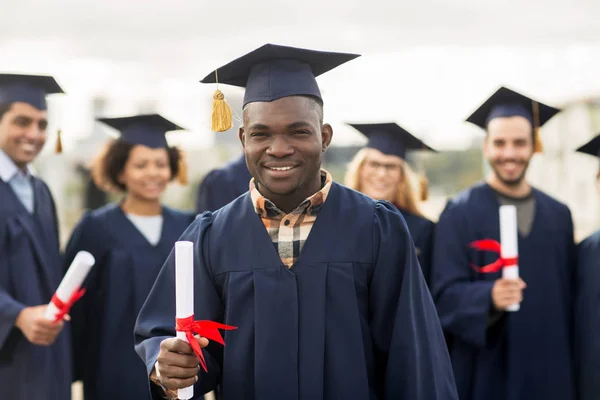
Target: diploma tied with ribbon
[
  {"x": 507, "y": 249},
  {"x": 186, "y": 327},
  {"x": 69, "y": 290}
]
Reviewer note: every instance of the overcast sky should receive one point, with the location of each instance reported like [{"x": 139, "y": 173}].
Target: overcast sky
[{"x": 425, "y": 64}]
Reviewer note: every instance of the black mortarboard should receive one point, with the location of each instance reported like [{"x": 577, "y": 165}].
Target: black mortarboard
[
  {"x": 273, "y": 71},
  {"x": 30, "y": 89},
  {"x": 390, "y": 138},
  {"x": 592, "y": 147},
  {"x": 148, "y": 130},
  {"x": 508, "y": 103}
]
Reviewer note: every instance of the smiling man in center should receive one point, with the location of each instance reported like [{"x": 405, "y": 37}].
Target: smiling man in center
[{"x": 322, "y": 282}]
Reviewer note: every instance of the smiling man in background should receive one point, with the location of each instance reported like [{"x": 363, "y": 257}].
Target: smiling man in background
[
  {"x": 499, "y": 355},
  {"x": 35, "y": 357}
]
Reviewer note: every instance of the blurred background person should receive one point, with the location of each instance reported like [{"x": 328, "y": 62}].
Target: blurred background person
[
  {"x": 587, "y": 319},
  {"x": 35, "y": 356},
  {"x": 222, "y": 185},
  {"x": 130, "y": 240},
  {"x": 380, "y": 171}
]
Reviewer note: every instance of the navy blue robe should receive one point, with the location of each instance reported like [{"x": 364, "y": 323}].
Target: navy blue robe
[
  {"x": 587, "y": 321},
  {"x": 526, "y": 354},
  {"x": 118, "y": 284},
  {"x": 421, "y": 229},
  {"x": 352, "y": 318},
  {"x": 223, "y": 185},
  {"x": 30, "y": 272}
]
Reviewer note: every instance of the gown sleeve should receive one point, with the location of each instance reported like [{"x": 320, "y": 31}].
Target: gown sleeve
[
  {"x": 409, "y": 345},
  {"x": 156, "y": 320},
  {"x": 587, "y": 318},
  {"x": 463, "y": 304},
  {"x": 86, "y": 236},
  {"x": 9, "y": 307}
]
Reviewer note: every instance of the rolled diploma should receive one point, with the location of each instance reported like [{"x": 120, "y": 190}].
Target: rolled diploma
[
  {"x": 184, "y": 294},
  {"x": 78, "y": 270},
  {"x": 509, "y": 244}
]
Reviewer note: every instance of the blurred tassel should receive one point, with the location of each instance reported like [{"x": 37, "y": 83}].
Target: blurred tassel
[
  {"x": 58, "y": 148},
  {"x": 424, "y": 183},
  {"x": 537, "y": 141},
  {"x": 182, "y": 170}
]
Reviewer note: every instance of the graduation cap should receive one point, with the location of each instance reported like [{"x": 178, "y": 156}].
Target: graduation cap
[
  {"x": 391, "y": 139},
  {"x": 592, "y": 147},
  {"x": 269, "y": 73},
  {"x": 147, "y": 130},
  {"x": 508, "y": 103},
  {"x": 30, "y": 89}
]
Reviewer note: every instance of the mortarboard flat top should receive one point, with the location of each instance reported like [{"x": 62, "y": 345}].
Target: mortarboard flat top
[
  {"x": 592, "y": 147},
  {"x": 30, "y": 89},
  {"x": 148, "y": 129},
  {"x": 273, "y": 71},
  {"x": 508, "y": 103},
  {"x": 390, "y": 138}
]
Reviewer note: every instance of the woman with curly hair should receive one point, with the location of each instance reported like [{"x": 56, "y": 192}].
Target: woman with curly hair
[
  {"x": 130, "y": 240},
  {"x": 380, "y": 171}
]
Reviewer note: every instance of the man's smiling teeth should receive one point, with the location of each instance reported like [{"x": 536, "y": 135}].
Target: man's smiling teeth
[
  {"x": 281, "y": 168},
  {"x": 28, "y": 147}
]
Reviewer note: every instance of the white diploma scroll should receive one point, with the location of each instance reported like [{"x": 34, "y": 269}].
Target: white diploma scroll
[
  {"x": 184, "y": 294},
  {"x": 78, "y": 271},
  {"x": 509, "y": 245}
]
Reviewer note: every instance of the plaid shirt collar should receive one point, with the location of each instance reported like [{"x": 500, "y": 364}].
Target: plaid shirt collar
[{"x": 266, "y": 209}]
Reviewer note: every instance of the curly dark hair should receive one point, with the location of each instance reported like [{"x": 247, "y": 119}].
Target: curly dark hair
[{"x": 110, "y": 162}]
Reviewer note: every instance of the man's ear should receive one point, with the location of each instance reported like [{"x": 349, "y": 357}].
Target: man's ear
[{"x": 326, "y": 135}]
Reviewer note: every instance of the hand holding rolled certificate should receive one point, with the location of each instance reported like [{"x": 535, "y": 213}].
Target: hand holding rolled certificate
[
  {"x": 509, "y": 246},
  {"x": 184, "y": 310},
  {"x": 69, "y": 291}
]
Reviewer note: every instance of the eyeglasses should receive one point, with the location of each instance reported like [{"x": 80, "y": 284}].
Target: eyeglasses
[{"x": 388, "y": 167}]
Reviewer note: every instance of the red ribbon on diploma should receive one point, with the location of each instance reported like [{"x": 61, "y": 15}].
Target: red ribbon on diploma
[
  {"x": 207, "y": 329},
  {"x": 64, "y": 308},
  {"x": 492, "y": 245}
]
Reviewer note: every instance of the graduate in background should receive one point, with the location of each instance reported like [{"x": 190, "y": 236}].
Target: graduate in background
[
  {"x": 223, "y": 185},
  {"x": 587, "y": 320},
  {"x": 130, "y": 241},
  {"x": 35, "y": 356},
  {"x": 322, "y": 282},
  {"x": 381, "y": 171},
  {"x": 500, "y": 355}
]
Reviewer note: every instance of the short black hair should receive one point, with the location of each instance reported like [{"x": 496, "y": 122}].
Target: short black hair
[
  {"x": 314, "y": 103},
  {"x": 4, "y": 108},
  {"x": 111, "y": 161}
]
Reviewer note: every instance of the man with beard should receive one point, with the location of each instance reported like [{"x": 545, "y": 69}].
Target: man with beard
[
  {"x": 322, "y": 282},
  {"x": 587, "y": 317},
  {"x": 35, "y": 357},
  {"x": 500, "y": 355}
]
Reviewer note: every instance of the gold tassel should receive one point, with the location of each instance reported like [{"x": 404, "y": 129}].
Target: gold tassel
[
  {"x": 424, "y": 188},
  {"x": 222, "y": 119},
  {"x": 58, "y": 148},
  {"x": 537, "y": 141},
  {"x": 182, "y": 171}
]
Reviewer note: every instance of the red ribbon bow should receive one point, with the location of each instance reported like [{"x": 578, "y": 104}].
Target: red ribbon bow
[
  {"x": 64, "y": 308},
  {"x": 207, "y": 329},
  {"x": 492, "y": 245}
]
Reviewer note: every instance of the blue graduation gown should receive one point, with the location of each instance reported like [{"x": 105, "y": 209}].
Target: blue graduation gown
[
  {"x": 103, "y": 320},
  {"x": 223, "y": 185},
  {"x": 526, "y": 354},
  {"x": 587, "y": 320},
  {"x": 352, "y": 319},
  {"x": 421, "y": 229},
  {"x": 30, "y": 272}
]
